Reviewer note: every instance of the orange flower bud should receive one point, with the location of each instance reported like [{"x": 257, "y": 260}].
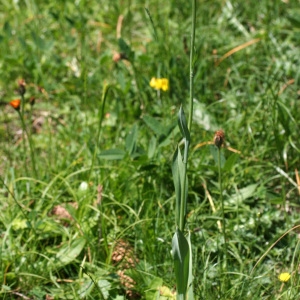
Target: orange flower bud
[{"x": 15, "y": 104}]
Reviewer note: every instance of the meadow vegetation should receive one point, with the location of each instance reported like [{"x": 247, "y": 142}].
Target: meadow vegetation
[{"x": 87, "y": 200}]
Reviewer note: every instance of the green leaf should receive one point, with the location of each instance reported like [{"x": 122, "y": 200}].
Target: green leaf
[
  {"x": 161, "y": 131},
  {"x": 112, "y": 154},
  {"x": 125, "y": 48},
  {"x": 183, "y": 125},
  {"x": 154, "y": 125},
  {"x": 104, "y": 285},
  {"x": 230, "y": 162},
  {"x": 178, "y": 179},
  {"x": 215, "y": 153},
  {"x": 244, "y": 193},
  {"x": 153, "y": 291},
  {"x": 151, "y": 147},
  {"x": 294, "y": 17},
  {"x": 181, "y": 256},
  {"x": 131, "y": 139},
  {"x": 69, "y": 251},
  {"x": 191, "y": 277}
]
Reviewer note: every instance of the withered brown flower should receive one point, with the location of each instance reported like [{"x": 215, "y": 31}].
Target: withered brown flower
[
  {"x": 22, "y": 87},
  {"x": 219, "y": 138}
]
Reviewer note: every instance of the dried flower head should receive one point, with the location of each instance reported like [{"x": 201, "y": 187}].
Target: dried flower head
[
  {"x": 15, "y": 104},
  {"x": 119, "y": 56},
  {"x": 219, "y": 138},
  {"x": 22, "y": 87},
  {"x": 32, "y": 100},
  {"x": 123, "y": 254}
]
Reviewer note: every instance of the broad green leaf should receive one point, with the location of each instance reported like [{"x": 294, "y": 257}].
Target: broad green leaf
[
  {"x": 152, "y": 292},
  {"x": 104, "y": 285},
  {"x": 86, "y": 287},
  {"x": 215, "y": 153},
  {"x": 181, "y": 255},
  {"x": 166, "y": 138},
  {"x": 154, "y": 125},
  {"x": 69, "y": 251},
  {"x": 125, "y": 48},
  {"x": 151, "y": 147},
  {"x": 230, "y": 162},
  {"x": 112, "y": 154},
  {"x": 244, "y": 193},
  {"x": 163, "y": 132}
]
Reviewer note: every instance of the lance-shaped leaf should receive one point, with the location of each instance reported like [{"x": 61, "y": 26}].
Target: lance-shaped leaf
[
  {"x": 183, "y": 125},
  {"x": 178, "y": 176},
  {"x": 191, "y": 277},
  {"x": 181, "y": 256}
]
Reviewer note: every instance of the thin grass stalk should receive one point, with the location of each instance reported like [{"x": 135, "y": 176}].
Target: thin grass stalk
[
  {"x": 99, "y": 130},
  {"x": 191, "y": 104},
  {"x": 31, "y": 147},
  {"x": 223, "y": 212},
  {"x": 18, "y": 205}
]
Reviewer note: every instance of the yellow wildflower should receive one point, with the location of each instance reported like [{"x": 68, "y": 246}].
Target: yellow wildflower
[
  {"x": 284, "y": 277},
  {"x": 164, "y": 84},
  {"x": 153, "y": 82},
  {"x": 159, "y": 83}
]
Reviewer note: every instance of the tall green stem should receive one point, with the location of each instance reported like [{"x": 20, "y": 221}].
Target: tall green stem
[
  {"x": 191, "y": 107},
  {"x": 29, "y": 140},
  {"x": 192, "y": 64},
  {"x": 222, "y": 203},
  {"x": 100, "y": 118}
]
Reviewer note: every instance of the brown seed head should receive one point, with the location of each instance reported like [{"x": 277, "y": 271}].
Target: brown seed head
[
  {"x": 22, "y": 87},
  {"x": 32, "y": 100},
  {"x": 219, "y": 138}
]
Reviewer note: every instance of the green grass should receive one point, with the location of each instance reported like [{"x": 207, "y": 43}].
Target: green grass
[{"x": 103, "y": 169}]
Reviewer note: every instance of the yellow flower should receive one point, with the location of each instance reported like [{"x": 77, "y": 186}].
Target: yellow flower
[
  {"x": 284, "y": 277},
  {"x": 153, "y": 82},
  {"x": 159, "y": 83},
  {"x": 164, "y": 84}
]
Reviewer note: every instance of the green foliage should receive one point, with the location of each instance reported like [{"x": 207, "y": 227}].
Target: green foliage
[{"x": 103, "y": 156}]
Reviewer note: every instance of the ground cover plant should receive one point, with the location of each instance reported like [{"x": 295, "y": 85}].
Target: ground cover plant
[{"x": 90, "y": 97}]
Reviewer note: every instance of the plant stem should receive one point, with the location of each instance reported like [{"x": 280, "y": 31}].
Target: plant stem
[
  {"x": 29, "y": 141},
  {"x": 222, "y": 203},
  {"x": 183, "y": 191},
  {"x": 191, "y": 107},
  {"x": 100, "y": 117},
  {"x": 192, "y": 64}
]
